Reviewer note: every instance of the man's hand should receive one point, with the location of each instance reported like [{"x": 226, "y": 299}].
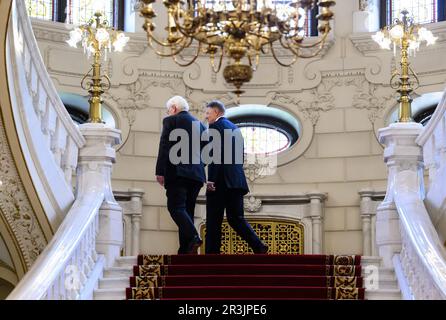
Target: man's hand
[
  {"x": 210, "y": 186},
  {"x": 160, "y": 180}
]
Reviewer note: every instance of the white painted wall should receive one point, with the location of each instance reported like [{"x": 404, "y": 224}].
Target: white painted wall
[{"x": 344, "y": 156}]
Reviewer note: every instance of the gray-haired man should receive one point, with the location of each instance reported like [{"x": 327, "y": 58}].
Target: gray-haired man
[{"x": 182, "y": 180}]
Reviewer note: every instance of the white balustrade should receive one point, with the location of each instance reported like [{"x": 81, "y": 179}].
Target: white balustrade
[
  {"x": 70, "y": 265},
  {"x": 49, "y": 138},
  {"x": 421, "y": 253}
]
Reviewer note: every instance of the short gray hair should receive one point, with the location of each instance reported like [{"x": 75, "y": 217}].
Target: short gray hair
[{"x": 179, "y": 102}]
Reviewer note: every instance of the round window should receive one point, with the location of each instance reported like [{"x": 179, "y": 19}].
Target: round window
[{"x": 265, "y": 130}]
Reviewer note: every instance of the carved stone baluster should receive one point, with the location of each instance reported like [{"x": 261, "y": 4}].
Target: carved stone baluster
[
  {"x": 49, "y": 124},
  {"x": 428, "y": 157},
  {"x": 440, "y": 132},
  {"x": 59, "y": 142},
  {"x": 69, "y": 159}
]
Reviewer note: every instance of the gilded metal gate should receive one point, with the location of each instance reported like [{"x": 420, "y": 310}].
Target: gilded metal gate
[{"x": 282, "y": 237}]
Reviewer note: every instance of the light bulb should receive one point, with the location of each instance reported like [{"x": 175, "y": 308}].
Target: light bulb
[
  {"x": 397, "y": 32},
  {"x": 98, "y": 6},
  {"x": 426, "y": 35},
  {"x": 102, "y": 36},
  {"x": 385, "y": 44},
  {"x": 120, "y": 42},
  {"x": 382, "y": 40},
  {"x": 75, "y": 37}
]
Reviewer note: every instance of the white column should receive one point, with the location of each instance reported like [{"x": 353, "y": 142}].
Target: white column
[
  {"x": 367, "y": 212},
  {"x": 401, "y": 153},
  {"x": 98, "y": 152},
  {"x": 317, "y": 217}
]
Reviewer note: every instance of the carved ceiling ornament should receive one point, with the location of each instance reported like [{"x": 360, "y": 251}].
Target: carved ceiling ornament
[{"x": 16, "y": 208}]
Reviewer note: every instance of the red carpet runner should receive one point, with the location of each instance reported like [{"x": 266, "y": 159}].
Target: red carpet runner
[{"x": 226, "y": 277}]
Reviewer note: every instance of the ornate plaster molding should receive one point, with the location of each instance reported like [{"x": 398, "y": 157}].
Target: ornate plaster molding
[
  {"x": 252, "y": 204},
  {"x": 137, "y": 94},
  {"x": 16, "y": 208}
]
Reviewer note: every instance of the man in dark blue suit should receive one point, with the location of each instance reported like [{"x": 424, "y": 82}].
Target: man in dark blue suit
[
  {"x": 181, "y": 170},
  {"x": 226, "y": 184}
]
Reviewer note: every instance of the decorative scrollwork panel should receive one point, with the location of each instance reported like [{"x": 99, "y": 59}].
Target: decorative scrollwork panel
[{"x": 282, "y": 237}]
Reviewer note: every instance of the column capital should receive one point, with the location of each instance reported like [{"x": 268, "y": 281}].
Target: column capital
[{"x": 317, "y": 195}]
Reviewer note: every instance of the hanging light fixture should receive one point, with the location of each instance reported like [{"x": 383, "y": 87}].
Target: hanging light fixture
[{"x": 239, "y": 29}]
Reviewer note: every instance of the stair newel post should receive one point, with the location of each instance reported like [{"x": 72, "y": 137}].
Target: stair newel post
[
  {"x": 317, "y": 217},
  {"x": 401, "y": 153},
  {"x": 98, "y": 155}
]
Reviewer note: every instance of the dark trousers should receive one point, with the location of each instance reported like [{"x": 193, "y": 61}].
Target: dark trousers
[
  {"x": 231, "y": 200},
  {"x": 181, "y": 197}
]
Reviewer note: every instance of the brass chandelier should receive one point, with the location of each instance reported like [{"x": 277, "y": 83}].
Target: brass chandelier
[{"x": 238, "y": 29}]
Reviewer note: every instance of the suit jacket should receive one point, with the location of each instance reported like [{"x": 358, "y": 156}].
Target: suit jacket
[
  {"x": 231, "y": 174},
  {"x": 193, "y": 167}
]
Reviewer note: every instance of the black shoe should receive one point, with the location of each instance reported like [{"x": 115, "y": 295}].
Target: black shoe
[
  {"x": 262, "y": 250},
  {"x": 192, "y": 247}
]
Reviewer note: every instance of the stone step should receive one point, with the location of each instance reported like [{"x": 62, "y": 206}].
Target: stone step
[
  {"x": 118, "y": 272},
  {"x": 371, "y": 260},
  {"x": 126, "y": 261},
  {"x": 114, "y": 283},
  {"x": 383, "y": 294},
  {"x": 109, "y": 294}
]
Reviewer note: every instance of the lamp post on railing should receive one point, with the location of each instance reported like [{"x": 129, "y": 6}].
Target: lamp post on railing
[
  {"x": 408, "y": 36},
  {"x": 97, "y": 39}
]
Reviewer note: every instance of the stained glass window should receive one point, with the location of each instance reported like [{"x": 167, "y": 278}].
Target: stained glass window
[
  {"x": 263, "y": 140},
  {"x": 423, "y": 11},
  {"x": 41, "y": 9},
  {"x": 80, "y": 11},
  {"x": 77, "y": 11}
]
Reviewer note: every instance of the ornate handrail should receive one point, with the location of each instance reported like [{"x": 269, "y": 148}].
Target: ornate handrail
[
  {"x": 49, "y": 138},
  {"x": 405, "y": 227},
  {"x": 433, "y": 142},
  {"x": 423, "y": 257},
  {"x": 62, "y": 269},
  {"x": 433, "y": 139}
]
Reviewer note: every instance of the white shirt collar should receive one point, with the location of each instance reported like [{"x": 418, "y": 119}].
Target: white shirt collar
[{"x": 218, "y": 118}]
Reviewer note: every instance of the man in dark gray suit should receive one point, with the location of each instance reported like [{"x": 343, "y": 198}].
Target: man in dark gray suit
[{"x": 226, "y": 184}]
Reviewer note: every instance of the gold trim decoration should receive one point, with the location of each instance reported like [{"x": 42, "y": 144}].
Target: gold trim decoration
[
  {"x": 343, "y": 270},
  {"x": 343, "y": 259},
  {"x": 152, "y": 259},
  {"x": 282, "y": 237},
  {"x": 150, "y": 270},
  {"x": 343, "y": 293},
  {"x": 146, "y": 281},
  {"x": 143, "y": 293},
  {"x": 345, "y": 281}
]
